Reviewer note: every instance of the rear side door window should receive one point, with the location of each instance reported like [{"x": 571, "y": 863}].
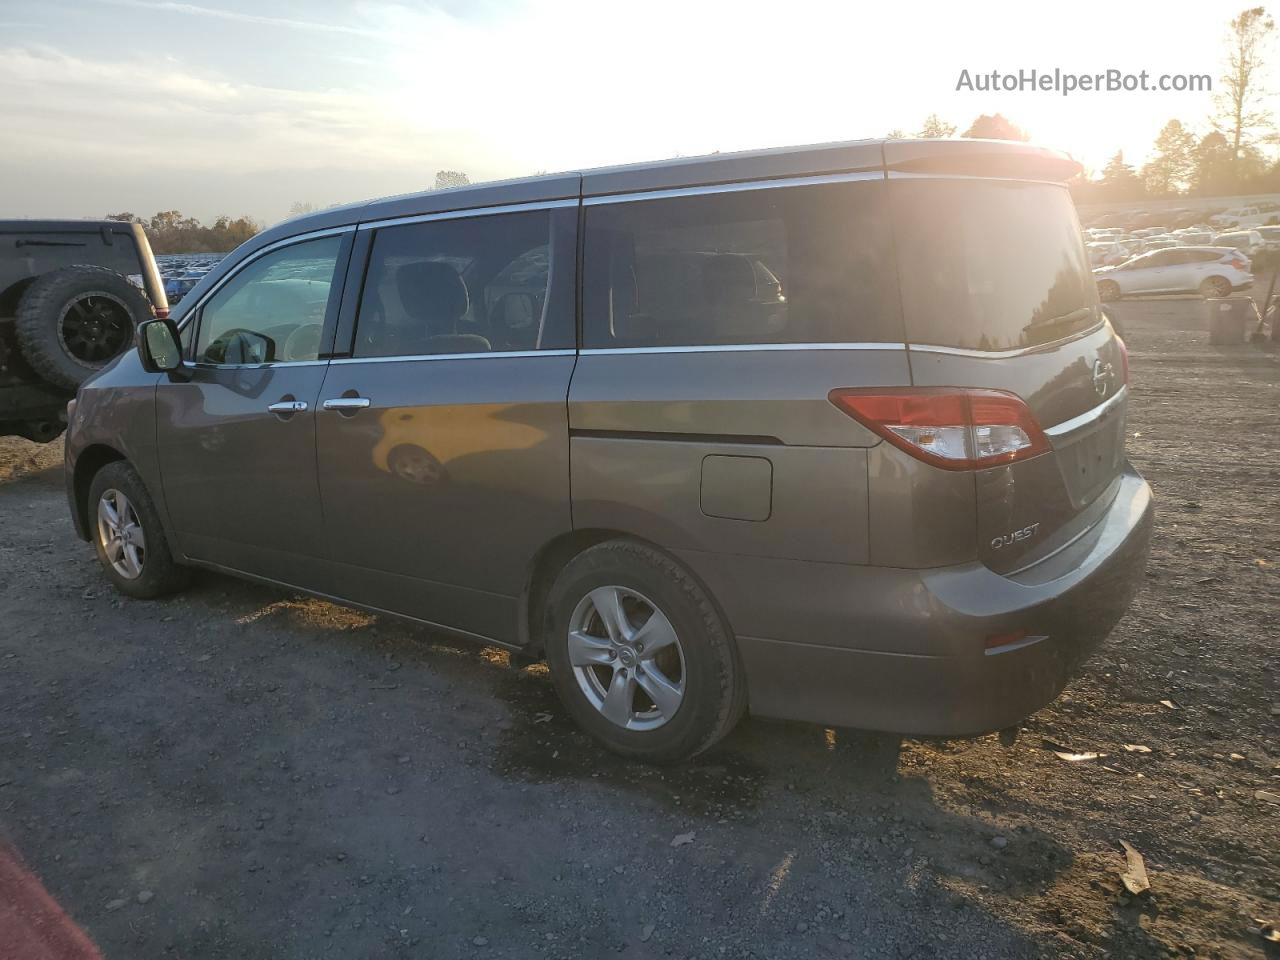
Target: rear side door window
[
  {"x": 779, "y": 265},
  {"x": 481, "y": 284}
]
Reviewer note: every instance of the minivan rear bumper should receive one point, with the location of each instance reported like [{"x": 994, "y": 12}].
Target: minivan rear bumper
[{"x": 905, "y": 651}]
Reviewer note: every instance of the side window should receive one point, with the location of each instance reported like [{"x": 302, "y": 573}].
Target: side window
[
  {"x": 484, "y": 284},
  {"x": 1162, "y": 258},
  {"x": 272, "y": 310},
  {"x": 808, "y": 264}
]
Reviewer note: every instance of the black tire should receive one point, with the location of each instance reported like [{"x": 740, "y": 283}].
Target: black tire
[
  {"x": 714, "y": 692},
  {"x": 159, "y": 573},
  {"x": 1108, "y": 290},
  {"x": 1215, "y": 288},
  {"x": 71, "y": 322}
]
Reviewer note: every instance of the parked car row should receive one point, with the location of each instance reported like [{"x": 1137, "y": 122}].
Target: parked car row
[
  {"x": 1110, "y": 246},
  {"x": 1220, "y": 218}
]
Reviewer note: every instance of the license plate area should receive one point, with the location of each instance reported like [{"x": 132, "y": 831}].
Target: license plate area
[{"x": 1091, "y": 461}]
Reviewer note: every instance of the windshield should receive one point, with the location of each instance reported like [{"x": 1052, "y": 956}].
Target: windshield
[{"x": 991, "y": 265}]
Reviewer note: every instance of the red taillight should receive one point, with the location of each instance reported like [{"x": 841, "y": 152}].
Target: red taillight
[
  {"x": 1124, "y": 358},
  {"x": 948, "y": 427}
]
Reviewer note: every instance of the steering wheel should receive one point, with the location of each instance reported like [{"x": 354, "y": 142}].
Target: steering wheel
[
  {"x": 303, "y": 343},
  {"x": 243, "y": 342}
]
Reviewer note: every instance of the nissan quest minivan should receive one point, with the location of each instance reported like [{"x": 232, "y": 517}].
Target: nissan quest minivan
[{"x": 830, "y": 433}]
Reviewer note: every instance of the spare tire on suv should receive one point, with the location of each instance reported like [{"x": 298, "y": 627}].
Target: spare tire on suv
[{"x": 71, "y": 322}]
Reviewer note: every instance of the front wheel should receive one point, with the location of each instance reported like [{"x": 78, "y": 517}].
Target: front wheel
[
  {"x": 1215, "y": 288},
  {"x": 640, "y": 656},
  {"x": 128, "y": 537}
]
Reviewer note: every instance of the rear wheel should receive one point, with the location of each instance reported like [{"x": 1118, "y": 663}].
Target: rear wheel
[
  {"x": 71, "y": 322},
  {"x": 128, "y": 537},
  {"x": 640, "y": 656},
  {"x": 1108, "y": 290},
  {"x": 1215, "y": 288}
]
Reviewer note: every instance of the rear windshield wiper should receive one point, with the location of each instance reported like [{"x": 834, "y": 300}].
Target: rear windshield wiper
[{"x": 1071, "y": 317}]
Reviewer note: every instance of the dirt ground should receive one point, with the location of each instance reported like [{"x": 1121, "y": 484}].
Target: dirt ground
[{"x": 238, "y": 772}]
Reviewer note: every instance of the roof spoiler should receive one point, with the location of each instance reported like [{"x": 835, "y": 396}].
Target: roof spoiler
[{"x": 979, "y": 158}]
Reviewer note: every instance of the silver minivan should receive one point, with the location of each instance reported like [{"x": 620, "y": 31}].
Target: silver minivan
[{"x": 829, "y": 433}]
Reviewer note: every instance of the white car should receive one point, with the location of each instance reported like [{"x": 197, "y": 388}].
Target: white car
[
  {"x": 1106, "y": 253},
  {"x": 1195, "y": 238},
  {"x": 1242, "y": 217},
  {"x": 1247, "y": 242},
  {"x": 1270, "y": 237},
  {"x": 1208, "y": 271}
]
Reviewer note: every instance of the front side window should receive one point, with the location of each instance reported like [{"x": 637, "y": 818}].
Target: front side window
[
  {"x": 273, "y": 310},
  {"x": 803, "y": 264},
  {"x": 483, "y": 284}
]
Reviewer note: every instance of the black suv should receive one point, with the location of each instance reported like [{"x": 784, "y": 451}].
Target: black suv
[{"x": 71, "y": 294}]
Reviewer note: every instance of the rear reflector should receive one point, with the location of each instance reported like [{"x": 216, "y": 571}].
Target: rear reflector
[
  {"x": 1005, "y": 639},
  {"x": 948, "y": 427}
]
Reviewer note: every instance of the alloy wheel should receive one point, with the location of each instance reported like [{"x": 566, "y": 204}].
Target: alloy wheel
[
  {"x": 120, "y": 534},
  {"x": 626, "y": 658},
  {"x": 94, "y": 327}
]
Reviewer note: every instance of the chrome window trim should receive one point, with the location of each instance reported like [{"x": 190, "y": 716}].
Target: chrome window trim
[
  {"x": 489, "y": 355},
  {"x": 1089, "y": 416},
  {"x": 269, "y": 248},
  {"x": 194, "y": 365},
  {"x": 1004, "y": 354},
  {"x": 909, "y": 175},
  {"x": 739, "y": 348},
  {"x": 468, "y": 212},
  {"x": 711, "y": 188}
]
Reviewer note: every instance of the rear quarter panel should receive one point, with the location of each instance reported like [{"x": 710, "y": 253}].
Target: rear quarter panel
[{"x": 642, "y": 426}]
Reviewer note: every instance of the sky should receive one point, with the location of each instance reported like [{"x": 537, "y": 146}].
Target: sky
[{"x": 248, "y": 106}]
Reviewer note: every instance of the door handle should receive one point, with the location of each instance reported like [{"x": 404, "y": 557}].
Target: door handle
[
  {"x": 351, "y": 404},
  {"x": 288, "y": 406}
]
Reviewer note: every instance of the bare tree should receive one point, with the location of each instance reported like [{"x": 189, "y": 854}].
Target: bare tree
[
  {"x": 936, "y": 128},
  {"x": 896, "y": 134},
  {"x": 1240, "y": 113},
  {"x": 995, "y": 126},
  {"x": 451, "y": 178}
]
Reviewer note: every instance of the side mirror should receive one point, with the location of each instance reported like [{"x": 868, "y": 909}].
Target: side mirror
[{"x": 158, "y": 346}]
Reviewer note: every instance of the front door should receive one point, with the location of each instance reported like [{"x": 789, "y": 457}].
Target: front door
[
  {"x": 443, "y": 436},
  {"x": 236, "y": 426}
]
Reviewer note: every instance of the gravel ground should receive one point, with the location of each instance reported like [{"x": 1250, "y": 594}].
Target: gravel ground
[{"x": 237, "y": 772}]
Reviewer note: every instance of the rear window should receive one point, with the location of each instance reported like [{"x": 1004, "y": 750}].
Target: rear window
[
  {"x": 809, "y": 264},
  {"x": 990, "y": 265}
]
